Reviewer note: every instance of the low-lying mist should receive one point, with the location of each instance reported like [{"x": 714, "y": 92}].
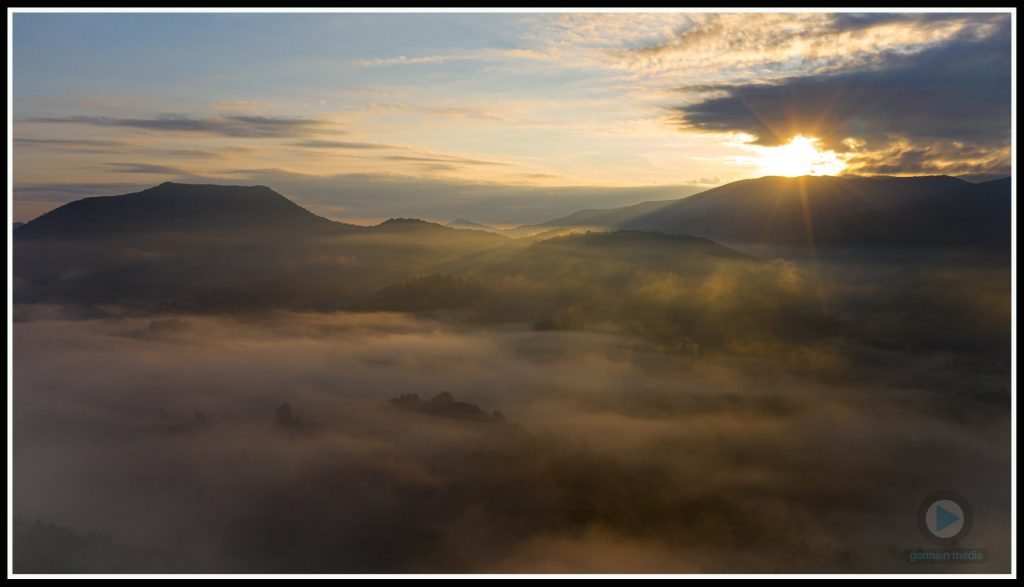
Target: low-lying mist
[{"x": 162, "y": 444}]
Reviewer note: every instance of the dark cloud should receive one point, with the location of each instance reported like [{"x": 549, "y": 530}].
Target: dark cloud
[
  {"x": 231, "y": 126},
  {"x": 851, "y": 21},
  {"x": 957, "y": 92}
]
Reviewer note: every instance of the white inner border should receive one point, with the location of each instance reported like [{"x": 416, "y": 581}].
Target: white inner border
[{"x": 10, "y": 269}]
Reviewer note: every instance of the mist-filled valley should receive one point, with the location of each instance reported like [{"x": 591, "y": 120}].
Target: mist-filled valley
[{"x": 197, "y": 390}]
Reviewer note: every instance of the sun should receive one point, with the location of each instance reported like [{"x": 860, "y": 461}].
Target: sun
[{"x": 800, "y": 156}]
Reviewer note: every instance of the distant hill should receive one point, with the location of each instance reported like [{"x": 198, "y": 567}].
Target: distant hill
[
  {"x": 430, "y": 292},
  {"x": 620, "y": 252},
  {"x": 469, "y": 224},
  {"x": 406, "y": 225},
  {"x": 972, "y": 214},
  {"x": 414, "y": 227},
  {"x": 846, "y": 210},
  {"x": 601, "y": 217},
  {"x": 634, "y": 241},
  {"x": 223, "y": 248},
  {"x": 176, "y": 207}
]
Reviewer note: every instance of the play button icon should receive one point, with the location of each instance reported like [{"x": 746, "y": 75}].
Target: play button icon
[{"x": 944, "y": 517}]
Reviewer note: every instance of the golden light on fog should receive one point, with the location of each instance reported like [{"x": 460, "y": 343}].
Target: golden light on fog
[{"x": 800, "y": 156}]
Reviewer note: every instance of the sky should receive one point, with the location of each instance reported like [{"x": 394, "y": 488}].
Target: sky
[{"x": 500, "y": 118}]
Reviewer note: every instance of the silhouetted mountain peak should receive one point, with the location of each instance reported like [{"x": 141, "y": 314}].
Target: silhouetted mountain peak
[{"x": 177, "y": 207}]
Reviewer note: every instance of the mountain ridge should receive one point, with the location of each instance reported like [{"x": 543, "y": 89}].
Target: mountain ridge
[
  {"x": 463, "y": 223},
  {"x": 773, "y": 210},
  {"x": 180, "y": 207},
  {"x": 831, "y": 210}
]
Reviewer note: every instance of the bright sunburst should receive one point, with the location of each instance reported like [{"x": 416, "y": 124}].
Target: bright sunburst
[{"x": 800, "y": 156}]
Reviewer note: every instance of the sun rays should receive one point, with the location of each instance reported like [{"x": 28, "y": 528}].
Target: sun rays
[{"x": 801, "y": 156}]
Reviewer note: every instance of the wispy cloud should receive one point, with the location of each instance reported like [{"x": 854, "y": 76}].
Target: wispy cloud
[
  {"x": 455, "y": 111},
  {"x": 483, "y": 54},
  {"x": 65, "y": 147},
  {"x": 465, "y": 113},
  {"x": 62, "y": 193},
  {"x": 196, "y": 153},
  {"x": 230, "y": 126},
  {"x": 750, "y": 45},
  {"x": 808, "y": 41},
  {"x": 405, "y": 60},
  {"x": 427, "y": 160},
  {"x": 327, "y": 144},
  {"x": 241, "y": 105},
  {"x": 147, "y": 168},
  {"x": 69, "y": 143},
  {"x": 442, "y": 159}
]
